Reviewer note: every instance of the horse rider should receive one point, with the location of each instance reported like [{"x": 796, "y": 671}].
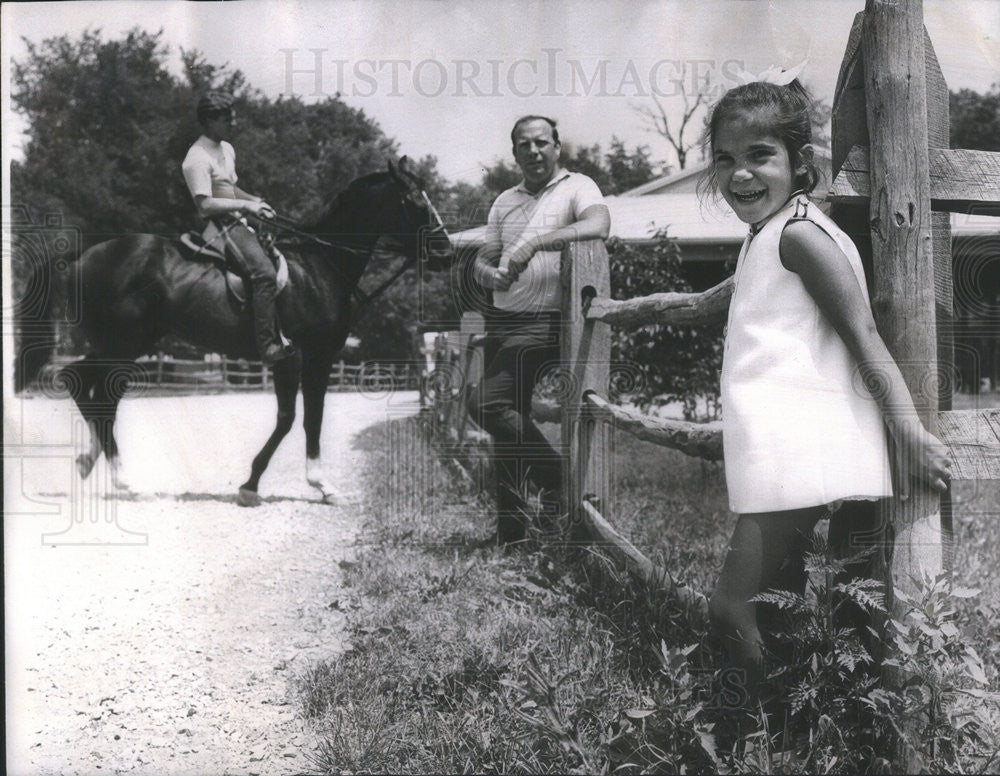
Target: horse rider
[{"x": 210, "y": 173}]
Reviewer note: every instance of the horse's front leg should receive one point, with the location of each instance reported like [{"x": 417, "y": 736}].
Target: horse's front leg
[
  {"x": 96, "y": 385},
  {"x": 286, "y": 388},
  {"x": 315, "y": 377}
]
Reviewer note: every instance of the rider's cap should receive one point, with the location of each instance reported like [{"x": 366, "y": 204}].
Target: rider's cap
[{"x": 213, "y": 104}]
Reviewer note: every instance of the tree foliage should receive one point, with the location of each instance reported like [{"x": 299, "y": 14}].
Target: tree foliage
[
  {"x": 975, "y": 119},
  {"x": 661, "y": 364},
  {"x": 109, "y": 124},
  {"x": 614, "y": 171}
]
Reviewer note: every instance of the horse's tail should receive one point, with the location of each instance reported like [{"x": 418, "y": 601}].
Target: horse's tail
[{"x": 34, "y": 325}]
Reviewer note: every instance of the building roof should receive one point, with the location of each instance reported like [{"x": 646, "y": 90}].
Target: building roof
[
  {"x": 686, "y": 180},
  {"x": 636, "y": 219},
  {"x": 672, "y": 202}
]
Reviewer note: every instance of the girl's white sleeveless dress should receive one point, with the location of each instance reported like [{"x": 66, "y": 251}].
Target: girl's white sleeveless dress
[{"x": 800, "y": 428}]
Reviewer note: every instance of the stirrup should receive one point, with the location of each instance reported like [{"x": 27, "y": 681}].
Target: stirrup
[{"x": 277, "y": 351}]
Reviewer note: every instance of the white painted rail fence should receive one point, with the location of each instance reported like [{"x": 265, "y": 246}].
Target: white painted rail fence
[{"x": 216, "y": 373}]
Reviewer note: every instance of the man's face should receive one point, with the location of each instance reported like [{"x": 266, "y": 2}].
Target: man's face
[{"x": 536, "y": 153}]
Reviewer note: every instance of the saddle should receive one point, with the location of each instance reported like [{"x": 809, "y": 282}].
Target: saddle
[{"x": 205, "y": 248}]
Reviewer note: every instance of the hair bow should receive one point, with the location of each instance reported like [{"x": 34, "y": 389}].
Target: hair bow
[{"x": 779, "y": 76}]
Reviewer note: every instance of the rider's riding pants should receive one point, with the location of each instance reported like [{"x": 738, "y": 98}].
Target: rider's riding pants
[{"x": 245, "y": 252}]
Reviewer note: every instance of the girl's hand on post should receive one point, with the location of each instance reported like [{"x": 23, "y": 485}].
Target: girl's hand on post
[{"x": 921, "y": 454}]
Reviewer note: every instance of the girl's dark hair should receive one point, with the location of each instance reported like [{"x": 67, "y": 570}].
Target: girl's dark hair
[{"x": 782, "y": 111}]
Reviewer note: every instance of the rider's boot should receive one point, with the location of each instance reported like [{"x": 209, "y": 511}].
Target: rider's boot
[{"x": 271, "y": 348}]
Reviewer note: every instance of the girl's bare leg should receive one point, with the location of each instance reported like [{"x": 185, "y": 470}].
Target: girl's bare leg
[{"x": 766, "y": 549}]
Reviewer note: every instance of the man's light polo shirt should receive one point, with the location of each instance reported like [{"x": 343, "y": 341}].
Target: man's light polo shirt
[
  {"x": 210, "y": 169},
  {"x": 517, "y": 215}
]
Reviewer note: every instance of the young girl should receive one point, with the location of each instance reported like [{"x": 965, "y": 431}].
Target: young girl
[{"x": 802, "y": 433}]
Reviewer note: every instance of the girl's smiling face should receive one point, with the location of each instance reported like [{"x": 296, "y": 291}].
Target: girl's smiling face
[{"x": 752, "y": 168}]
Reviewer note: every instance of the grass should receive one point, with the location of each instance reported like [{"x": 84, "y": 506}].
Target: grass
[{"x": 465, "y": 658}]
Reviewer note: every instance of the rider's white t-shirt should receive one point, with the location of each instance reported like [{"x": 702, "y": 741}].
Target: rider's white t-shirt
[{"x": 210, "y": 169}]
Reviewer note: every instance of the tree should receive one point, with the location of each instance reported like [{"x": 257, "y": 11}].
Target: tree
[
  {"x": 108, "y": 127},
  {"x": 628, "y": 170},
  {"x": 672, "y": 129},
  {"x": 96, "y": 137},
  {"x": 975, "y": 119},
  {"x": 588, "y": 161}
]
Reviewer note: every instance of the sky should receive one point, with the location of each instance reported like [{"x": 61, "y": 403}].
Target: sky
[{"x": 448, "y": 78}]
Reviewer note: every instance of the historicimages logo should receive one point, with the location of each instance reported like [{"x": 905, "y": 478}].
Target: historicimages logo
[
  {"x": 46, "y": 441},
  {"x": 317, "y": 72}
]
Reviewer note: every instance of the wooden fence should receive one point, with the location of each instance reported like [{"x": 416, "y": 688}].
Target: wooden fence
[
  {"x": 890, "y": 122},
  {"x": 216, "y": 374}
]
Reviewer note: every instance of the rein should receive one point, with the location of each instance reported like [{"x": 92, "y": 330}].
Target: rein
[
  {"x": 366, "y": 299},
  {"x": 290, "y": 226}
]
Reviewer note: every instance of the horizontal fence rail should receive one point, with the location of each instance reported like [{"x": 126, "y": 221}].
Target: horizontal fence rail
[
  {"x": 657, "y": 578},
  {"x": 589, "y": 419},
  {"x": 709, "y": 306},
  {"x": 701, "y": 440}
]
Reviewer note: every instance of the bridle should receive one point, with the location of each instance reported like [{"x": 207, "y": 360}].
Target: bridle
[{"x": 437, "y": 229}]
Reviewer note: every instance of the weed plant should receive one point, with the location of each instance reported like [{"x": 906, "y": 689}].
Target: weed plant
[{"x": 549, "y": 659}]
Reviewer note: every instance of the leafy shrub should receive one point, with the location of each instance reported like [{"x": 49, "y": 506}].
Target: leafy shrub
[
  {"x": 673, "y": 363},
  {"x": 839, "y": 715}
]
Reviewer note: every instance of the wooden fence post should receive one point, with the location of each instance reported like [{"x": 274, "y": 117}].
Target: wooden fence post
[
  {"x": 900, "y": 213},
  {"x": 585, "y": 358},
  {"x": 473, "y": 327},
  {"x": 903, "y": 302}
]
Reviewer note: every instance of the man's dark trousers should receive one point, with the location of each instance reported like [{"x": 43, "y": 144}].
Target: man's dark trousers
[{"x": 501, "y": 404}]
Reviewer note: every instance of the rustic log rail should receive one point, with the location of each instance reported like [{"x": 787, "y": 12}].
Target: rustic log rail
[
  {"x": 708, "y": 306},
  {"x": 700, "y": 440},
  {"x": 892, "y": 168}
]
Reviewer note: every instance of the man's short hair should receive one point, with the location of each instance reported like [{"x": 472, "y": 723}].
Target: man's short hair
[
  {"x": 526, "y": 119},
  {"x": 213, "y": 104}
]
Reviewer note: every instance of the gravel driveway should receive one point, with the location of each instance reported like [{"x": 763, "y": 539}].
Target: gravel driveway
[{"x": 160, "y": 633}]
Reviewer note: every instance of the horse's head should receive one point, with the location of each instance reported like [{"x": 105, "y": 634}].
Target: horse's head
[{"x": 420, "y": 231}]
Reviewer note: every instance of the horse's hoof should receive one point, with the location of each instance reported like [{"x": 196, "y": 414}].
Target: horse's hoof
[
  {"x": 84, "y": 465},
  {"x": 118, "y": 478},
  {"x": 315, "y": 477},
  {"x": 248, "y": 498},
  {"x": 329, "y": 495}
]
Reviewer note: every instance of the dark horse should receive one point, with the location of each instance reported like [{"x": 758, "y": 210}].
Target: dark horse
[{"x": 138, "y": 288}]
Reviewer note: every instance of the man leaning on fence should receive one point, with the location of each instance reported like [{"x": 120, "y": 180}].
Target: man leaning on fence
[{"x": 527, "y": 227}]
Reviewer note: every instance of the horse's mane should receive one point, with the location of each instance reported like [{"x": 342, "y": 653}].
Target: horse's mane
[{"x": 324, "y": 213}]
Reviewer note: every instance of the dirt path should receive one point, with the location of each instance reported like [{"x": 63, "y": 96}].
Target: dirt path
[{"x": 173, "y": 654}]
